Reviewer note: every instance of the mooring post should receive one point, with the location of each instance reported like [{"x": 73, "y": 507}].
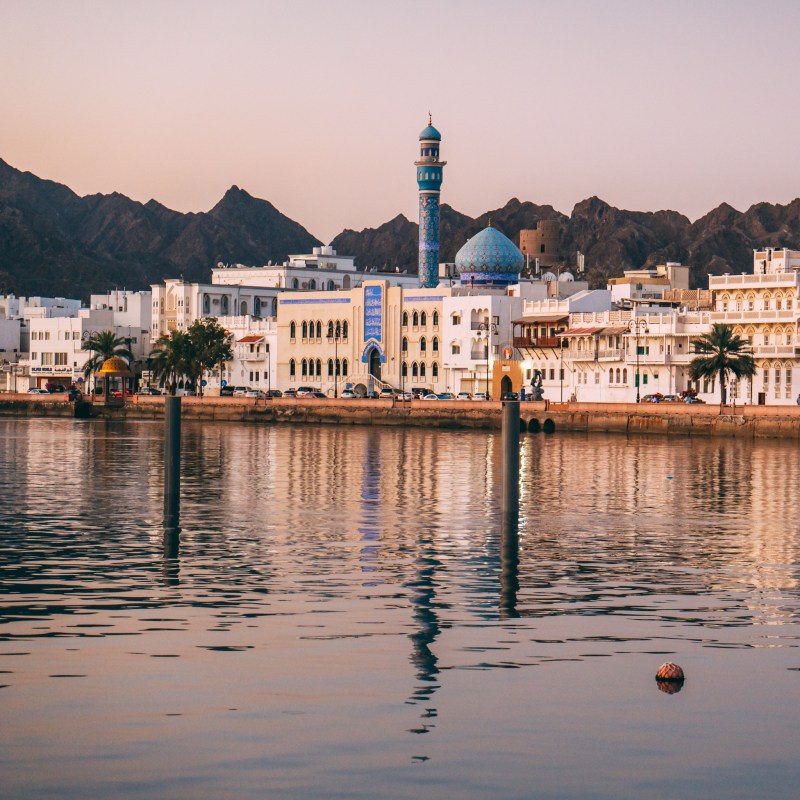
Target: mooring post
[
  {"x": 510, "y": 500},
  {"x": 172, "y": 459}
]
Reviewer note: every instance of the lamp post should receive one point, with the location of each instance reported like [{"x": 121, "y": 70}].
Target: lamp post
[
  {"x": 637, "y": 326},
  {"x": 337, "y": 332},
  {"x": 561, "y": 369},
  {"x": 487, "y": 329}
]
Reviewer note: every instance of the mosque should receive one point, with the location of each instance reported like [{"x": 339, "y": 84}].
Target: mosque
[{"x": 439, "y": 337}]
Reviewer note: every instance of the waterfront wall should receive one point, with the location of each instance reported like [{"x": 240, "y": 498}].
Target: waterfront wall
[{"x": 670, "y": 419}]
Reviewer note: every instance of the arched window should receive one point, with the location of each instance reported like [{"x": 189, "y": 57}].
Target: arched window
[
  {"x": 618, "y": 377},
  {"x": 304, "y": 368},
  {"x": 206, "y": 304},
  {"x": 415, "y": 319},
  {"x": 344, "y": 329},
  {"x": 312, "y": 284},
  {"x": 611, "y": 375},
  {"x": 292, "y": 368},
  {"x": 405, "y": 344},
  {"x": 434, "y": 370},
  {"x": 423, "y": 345},
  {"x": 223, "y": 304},
  {"x": 330, "y": 329},
  {"x": 331, "y": 286},
  {"x": 405, "y": 319},
  {"x": 423, "y": 319},
  {"x": 305, "y": 329},
  {"x": 338, "y": 330},
  {"x": 625, "y": 375},
  {"x": 274, "y": 310},
  {"x": 435, "y": 318},
  {"x": 422, "y": 370},
  {"x": 319, "y": 329},
  {"x": 292, "y": 330},
  {"x": 319, "y": 368},
  {"x": 338, "y": 367},
  {"x": 330, "y": 367},
  {"x": 295, "y": 283},
  {"x": 404, "y": 369},
  {"x": 435, "y": 344},
  {"x": 243, "y": 309},
  {"x": 414, "y": 370},
  {"x": 257, "y": 306},
  {"x": 344, "y": 367}
]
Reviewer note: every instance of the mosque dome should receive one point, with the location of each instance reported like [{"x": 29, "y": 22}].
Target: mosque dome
[
  {"x": 489, "y": 258},
  {"x": 566, "y": 277},
  {"x": 549, "y": 276},
  {"x": 430, "y": 133}
]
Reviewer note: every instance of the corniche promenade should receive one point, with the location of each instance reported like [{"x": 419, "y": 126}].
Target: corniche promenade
[{"x": 679, "y": 419}]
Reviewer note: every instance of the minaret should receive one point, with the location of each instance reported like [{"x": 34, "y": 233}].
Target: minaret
[{"x": 429, "y": 180}]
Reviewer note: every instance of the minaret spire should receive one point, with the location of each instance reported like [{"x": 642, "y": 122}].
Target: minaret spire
[{"x": 429, "y": 181}]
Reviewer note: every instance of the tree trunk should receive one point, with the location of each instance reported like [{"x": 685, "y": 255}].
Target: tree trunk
[{"x": 722, "y": 388}]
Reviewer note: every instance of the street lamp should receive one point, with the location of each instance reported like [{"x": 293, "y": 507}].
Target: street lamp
[
  {"x": 637, "y": 326},
  {"x": 337, "y": 333},
  {"x": 487, "y": 329}
]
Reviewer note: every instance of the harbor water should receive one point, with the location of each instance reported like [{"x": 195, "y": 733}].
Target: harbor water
[{"x": 342, "y": 615}]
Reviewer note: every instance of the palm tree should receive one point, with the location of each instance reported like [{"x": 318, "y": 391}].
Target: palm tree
[
  {"x": 172, "y": 359},
  {"x": 721, "y": 352},
  {"x": 104, "y": 345}
]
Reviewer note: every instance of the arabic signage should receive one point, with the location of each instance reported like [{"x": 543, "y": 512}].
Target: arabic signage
[{"x": 373, "y": 313}]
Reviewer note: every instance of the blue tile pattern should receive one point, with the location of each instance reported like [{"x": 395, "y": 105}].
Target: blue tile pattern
[
  {"x": 429, "y": 241},
  {"x": 491, "y": 258}
]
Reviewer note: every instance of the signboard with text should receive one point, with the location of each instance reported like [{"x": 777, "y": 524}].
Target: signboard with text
[{"x": 373, "y": 313}]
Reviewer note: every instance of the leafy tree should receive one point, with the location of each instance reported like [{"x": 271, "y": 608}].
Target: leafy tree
[
  {"x": 171, "y": 359},
  {"x": 720, "y": 353},
  {"x": 210, "y": 347},
  {"x": 104, "y": 345}
]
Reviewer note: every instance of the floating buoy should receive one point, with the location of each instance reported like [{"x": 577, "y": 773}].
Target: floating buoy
[{"x": 670, "y": 672}]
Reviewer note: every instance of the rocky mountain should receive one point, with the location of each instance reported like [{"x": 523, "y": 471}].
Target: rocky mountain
[{"x": 54, "y": 242}]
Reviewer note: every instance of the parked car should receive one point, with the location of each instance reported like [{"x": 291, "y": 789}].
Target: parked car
[
  {"x": 317, "y": 395},
  {"x": 240, "y": 391},
  {"x": 480, "y": 396},
  {"x": 446, "y": 396},
  {"x": 226, "y": 391},
  {"x": 149, "y": 390},
  {"x": 37, "y": 390},
  {"x": 419, "y": 393},
  {"x": 511, "y": 396},
  {"x": 348, "y": 394},
  {"x": 464, "y": 396},
  {"x": 431, "y": 397},
  {"x": 405, "y": 396},
  {"x": 290, "y": 393},
  {"x": 652, "y": 398},
  {"x": 305, "y": 391},
  {"x": 55, "y": 388},
  {"x": 694, "y": 400},
  {"x": 274, "y": 393},
  {"x": 257, "y": 393},
  {"x": 387, "y": 394},
  {"x": 671, "y": 398}
]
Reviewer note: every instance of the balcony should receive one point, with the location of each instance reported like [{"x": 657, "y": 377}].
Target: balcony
[
  {"x": 610, "y": 354},
  {"x": 763, "y": 315},
  {"x": 536, "y": 341},
  {"x": 775, "y": 350}
]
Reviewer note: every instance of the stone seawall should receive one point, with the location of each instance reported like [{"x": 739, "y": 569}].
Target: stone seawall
[{"x": 679, "y": 419}]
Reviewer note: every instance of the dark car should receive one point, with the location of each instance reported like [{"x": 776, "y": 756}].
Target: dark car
[
  {"x": 317, "y": 395},
  {"x": 226, "y": 391},
  {"x": 274, "y": 393},
  {"x": 372, "y": 395},
  {"x": 511, "y": 396}
]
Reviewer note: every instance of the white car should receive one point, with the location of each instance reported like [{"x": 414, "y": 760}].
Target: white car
[
  {"x": 347, "y": 394},
  {"x": 464, "y": 396},
  {"x": 240, "y": 391},
  {"x": 431, "y": 397},
  {"x": 37, "y": 390},
  {"x": 479, "y": 396},
  {"x": 255, "y": 393},
  {"x": 305, "y": 391}
]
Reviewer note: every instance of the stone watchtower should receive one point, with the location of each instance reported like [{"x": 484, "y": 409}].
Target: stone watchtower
[{"x": 429, "y": 181}]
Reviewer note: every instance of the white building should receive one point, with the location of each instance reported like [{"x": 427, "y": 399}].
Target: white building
[{"x": 649, "y": 283}]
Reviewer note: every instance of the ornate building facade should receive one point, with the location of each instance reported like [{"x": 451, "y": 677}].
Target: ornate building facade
[{"x": 429, "y": 181}]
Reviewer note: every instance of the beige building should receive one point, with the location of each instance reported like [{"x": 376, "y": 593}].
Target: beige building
[{"x": 541, "y": 244}]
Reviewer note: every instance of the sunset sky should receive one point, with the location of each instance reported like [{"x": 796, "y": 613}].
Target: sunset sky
[{"x": 316, "y": 106}]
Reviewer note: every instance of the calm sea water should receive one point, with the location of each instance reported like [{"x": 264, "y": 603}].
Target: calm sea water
[{"x": 340, "y": 616}]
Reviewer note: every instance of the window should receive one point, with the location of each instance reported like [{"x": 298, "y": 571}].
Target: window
[
  {"x": 344, "y": 329},
  {"x": 423, "y": 319},
  {"x": 257, "y": 307},
  {"x": 415, "y": 320},
  {"x": 305, "y": 329},
  {"x": 552, "y": 374},
  {"x": 405, "y": 319},
  {"x": 331, "y": 286},
  {"x": 423, "y": 345},
  {"x": 292, "y": 329},
  {"x": 312, "y": 284},
  {"x": 224, "y": 304},
  {"x": 47, "y": 359},
  {"x": 434, "y": 370},
  {"x": 292, "y": 368},
  {"x": 414, "y": 370},
  {"x": 344, "y": 367},
  {"x": 405, "y": 344},
  {"x": 330, "y": 330},
  {"x": 435, "y": 318},
  {"x": 422, "y": 370},
  {"x": 404, "y": 369},
  {"x": 455, "y": 318},
  {"x": 206, "y": 304},
  {"x": 624, "y": 375},
  {"x": 319, "y": 366},
  {"x": 295, "y": 283},
  {"x": 330, "y": 367},
  {"x": 61, "y": 359},
  {"x": 435, "y": 344},
  {"x": 455, "y": 349},
  {"x": 304, "y": 368},
  {"x": 319, "y": 331}
]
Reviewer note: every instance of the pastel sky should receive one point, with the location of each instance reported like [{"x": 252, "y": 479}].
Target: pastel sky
[{"x": 316, "y": 106}]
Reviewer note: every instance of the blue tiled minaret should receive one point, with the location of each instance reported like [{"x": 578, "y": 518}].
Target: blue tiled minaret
[{"x": 429, "y": 180}]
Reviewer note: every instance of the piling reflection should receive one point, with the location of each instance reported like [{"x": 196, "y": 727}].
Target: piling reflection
[{"x": 509, "y": 565}]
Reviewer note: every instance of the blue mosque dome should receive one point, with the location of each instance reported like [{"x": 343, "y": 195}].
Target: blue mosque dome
[
  {"x": 490, "y": 259},
  {"x": 428, "y": 133}
]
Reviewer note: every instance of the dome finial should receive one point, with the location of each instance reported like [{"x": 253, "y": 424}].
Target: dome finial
[
  {"x": 430, "y": 118},
  {"x": 489, "y": 223}
]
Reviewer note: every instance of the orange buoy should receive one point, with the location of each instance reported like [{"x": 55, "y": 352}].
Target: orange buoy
[{"x": 670, "y": 672}]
